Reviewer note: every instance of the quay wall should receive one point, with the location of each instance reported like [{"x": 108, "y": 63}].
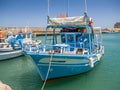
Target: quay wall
[
  {"x": 42, "y": 30},
  {"x": 34, "y": 30}
]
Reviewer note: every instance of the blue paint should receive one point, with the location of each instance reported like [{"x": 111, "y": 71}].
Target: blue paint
[{"x": 74, "y": 53}]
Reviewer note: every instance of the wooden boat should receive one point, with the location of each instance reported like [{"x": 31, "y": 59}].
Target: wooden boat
[
  {"x": 7, "y": 52},
  {"x": 75, "y": 50},
  {"x": 10, "y": 54},
  {"x": 11, "y": 47}
]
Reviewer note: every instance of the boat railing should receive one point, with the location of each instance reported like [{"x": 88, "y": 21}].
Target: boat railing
[{"x": 57, "y": 48}]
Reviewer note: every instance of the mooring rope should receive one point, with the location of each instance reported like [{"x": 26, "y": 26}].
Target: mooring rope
[{"x": 47, "y": 72}]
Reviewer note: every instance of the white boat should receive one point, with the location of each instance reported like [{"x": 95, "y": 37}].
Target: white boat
[
  {"x": 10, "y": 54},
  {"x": 4, "y": 47},
  {"x": 11, "y": 47},
  {"x": 6, "y": 50},
  {"x": 29, "y": 42}
]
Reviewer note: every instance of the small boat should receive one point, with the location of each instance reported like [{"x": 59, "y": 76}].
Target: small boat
[
  {"x": 28, "y": 42},
  {"x": 4, "y": 46},
  {"x": 10, "y": 54},
  {"x": 11, "y": 47},
  {"x": 7, "y": 51},
  {"x": 75, "y": 50}
]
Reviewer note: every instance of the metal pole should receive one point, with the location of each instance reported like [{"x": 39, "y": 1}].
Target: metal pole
[
  {"x": 48, "y": 7},
  {"x": 67, "y": 7},
  {"x": 85, "y": 6}
]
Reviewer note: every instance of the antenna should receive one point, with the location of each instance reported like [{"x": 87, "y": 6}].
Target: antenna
[
  {"x": 67, "y": 7},
  {"x": 48, "y": 11},
  {"x": 85, "y": 6}
]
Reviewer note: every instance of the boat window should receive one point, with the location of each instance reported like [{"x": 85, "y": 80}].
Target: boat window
[
  {"x": 84, "y": 30},
  {"x": 63, "y": 38},
  {"x": 78, "y": 36}
]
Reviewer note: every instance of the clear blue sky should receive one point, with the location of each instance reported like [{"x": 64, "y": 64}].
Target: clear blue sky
[{"x": 34, "y": 12}]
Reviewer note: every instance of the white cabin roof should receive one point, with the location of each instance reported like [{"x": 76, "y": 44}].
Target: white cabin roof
[{"x": 78, "y": 20}]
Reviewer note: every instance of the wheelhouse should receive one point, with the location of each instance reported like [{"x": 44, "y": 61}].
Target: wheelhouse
[{"x": 71, "y": 39}]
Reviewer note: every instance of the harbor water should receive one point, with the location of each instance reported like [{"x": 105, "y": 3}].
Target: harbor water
[{"x": 21, "y": 74}]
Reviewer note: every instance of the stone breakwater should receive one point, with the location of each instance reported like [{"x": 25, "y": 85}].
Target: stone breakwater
[
  {"x": 41, "y": 30},
  {"x": 34, "y": 30}
]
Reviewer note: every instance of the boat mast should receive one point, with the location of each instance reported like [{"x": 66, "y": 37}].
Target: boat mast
[
  {"x": 48, "y": 11},
  {"x": 85, "y": 11},
  {"x": 85, "y": 7},
  {"x": 67, "y": 7},
  {"x": 48, "y": 8},
  {"x": 86, "y": 20}
]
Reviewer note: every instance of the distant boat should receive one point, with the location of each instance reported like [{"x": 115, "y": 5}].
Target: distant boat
[
  {"x": 11, "y": 47},
  {"x": 10, "y": 54},
  {"x": 7, "y": 52},
  {"x": 75, "y": 50},
  {"x": 29, "y": 42}
]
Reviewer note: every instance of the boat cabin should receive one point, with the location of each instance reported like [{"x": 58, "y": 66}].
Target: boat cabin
[
  {"x": 73, "y": 40},
  {"x": 70, "y": 35},
  {"x": 75, "y": 37},
  {"x": 76, "y": 34}
]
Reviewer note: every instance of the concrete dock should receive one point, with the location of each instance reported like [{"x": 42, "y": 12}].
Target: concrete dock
[{"x": 41, "y": 30}]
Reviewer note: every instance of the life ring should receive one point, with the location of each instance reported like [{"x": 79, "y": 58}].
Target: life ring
[
  {"x": 98, "y": 57},
  {"x": 70, "y": 38}
]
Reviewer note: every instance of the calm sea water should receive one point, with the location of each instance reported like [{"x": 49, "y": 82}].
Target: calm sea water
[{"x": 21, "y": 74}]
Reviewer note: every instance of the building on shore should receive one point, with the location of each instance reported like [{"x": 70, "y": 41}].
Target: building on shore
[
  {"x": 115, "y": 29},
  {"x": 117, "y": 25}
]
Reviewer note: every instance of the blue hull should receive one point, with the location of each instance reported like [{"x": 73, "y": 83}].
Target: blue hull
[
  {"x": 61, "y": 66},
  {"x": 61, "y": 70}
]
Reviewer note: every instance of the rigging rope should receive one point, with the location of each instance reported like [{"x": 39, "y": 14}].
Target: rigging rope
[{"x": 47, "y": 72}]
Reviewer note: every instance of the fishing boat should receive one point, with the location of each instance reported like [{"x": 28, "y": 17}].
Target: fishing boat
[
  {"x": 75, "y": 50},
  {"x": 10, "y": 54},
  {"x": 29, "y": 43},
  {"x": 7, "y": 51},
  {"x": 4, "y": 46},
  {"x": 11, "y": 47}
]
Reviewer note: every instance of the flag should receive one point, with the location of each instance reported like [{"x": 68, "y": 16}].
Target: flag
[{"x": 62, "y": 15}]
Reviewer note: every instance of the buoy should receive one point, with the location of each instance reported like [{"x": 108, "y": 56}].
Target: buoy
[
  {"x": 98, "y": 57},
  {"x": 91, "y": 62},
  {"x": 30, "y": 49},
  {"x": 44, "y": 49}
]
